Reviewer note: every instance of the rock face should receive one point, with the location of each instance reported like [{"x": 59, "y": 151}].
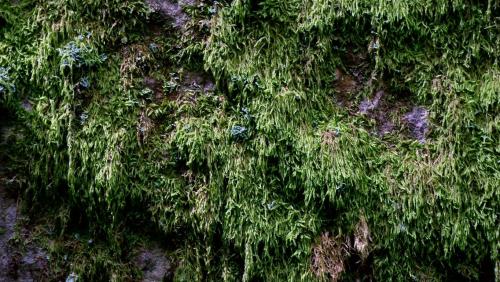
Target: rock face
[
  {"x": 170, "y": 9},
  {"x": 154, "y": 264},
  {"x": 386, "y": 110},
  {"x": 8, "y": 217},
  {"x": 417, "y": 121},
  {"x": 8, "y": 214},
  {"x": 30, "y": 262},
  {"x": 198, "y": 81},
  {"x": 370, "y": 104}
]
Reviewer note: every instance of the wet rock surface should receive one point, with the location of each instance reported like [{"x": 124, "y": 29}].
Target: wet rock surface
[
  {"x": 197, "y": 81},
  {"x": 371, "y": 104},
  {"x": 156, "y": 86},
  {"x": 18, "y": 261},
  {"x": 8, "y": 216},
  {"x": 179, "y": 86},
  {"x": 154, "y": 264},
  {"x": 172, "y": 10},
  {"x": 390, "y": 113},
  {"x": 352, "y": 79},
  {"x": 417, "y": 120}
]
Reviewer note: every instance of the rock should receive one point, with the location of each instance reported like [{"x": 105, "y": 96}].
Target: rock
[
  {"x": 26, "y": 105},
  {"x": 417, "y": 120},
  {"x": 154, "y": 264},
  {"x": 188, "y": 3},
  {"x": 8, "y": 217},
  {"x": 171, "y": 10},
  {"x": 29, "y": 264},
  {"x": 371, "y": 104}
]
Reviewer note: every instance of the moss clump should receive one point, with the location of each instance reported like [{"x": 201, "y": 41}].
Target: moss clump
[{"x": 254, "y": 174}]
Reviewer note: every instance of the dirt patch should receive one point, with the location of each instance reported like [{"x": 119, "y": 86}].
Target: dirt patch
[
  {"x": 351, "y": 78},
  {"x": 345, "y": 83},
  {"x": 186, "y": 86},
  {"x": 136, "y": 58},
  {"x": 6, "y": 130},
  {"x": 188, "y": 81},
  {"x": 154, "y": 264}
]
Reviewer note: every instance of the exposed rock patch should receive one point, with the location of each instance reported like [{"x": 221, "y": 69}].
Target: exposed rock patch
[
  {"x": 370, "y": 104},
  {"x": 385, "y": 113},
  {"x": 34, "y": 265},
  {"x": 154, "y": 264},
  {"x": 8, "y": 217},
  {"x": 26, "y": 105},
  {"x": 418, "y": 123},
  {"x": 198, "y": 81},
  {"x": 170, "y": 9},
  {"x": 390, "y": 113},
  {"x": 188, "y": 3},
  {"x": 156, "y": 86},
  {"x": 18, "y": 264},
  {"x": 26, "y": 263}
]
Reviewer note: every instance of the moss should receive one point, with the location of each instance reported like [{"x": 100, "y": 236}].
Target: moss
[{"x": 253, "y": 173}]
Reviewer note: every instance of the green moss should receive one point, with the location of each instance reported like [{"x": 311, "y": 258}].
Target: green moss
[{"x": 251, "y": 208}]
